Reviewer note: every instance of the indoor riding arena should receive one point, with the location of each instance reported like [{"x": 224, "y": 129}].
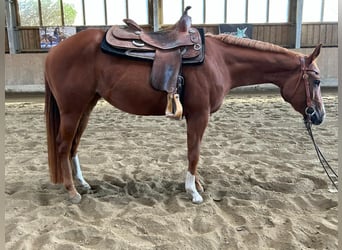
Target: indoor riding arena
[{"x": 238, "y": 149}]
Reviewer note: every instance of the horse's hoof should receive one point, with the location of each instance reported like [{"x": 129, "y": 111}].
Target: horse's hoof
[
  {"x": 76, "y": 199},
  {"x": 85, "y": 186},
  {"x": 197, "y": 199}
]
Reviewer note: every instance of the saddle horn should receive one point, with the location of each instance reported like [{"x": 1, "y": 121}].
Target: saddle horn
[
  {"x": 184, "y": 23},
  {"x": 186, "y": 10}
]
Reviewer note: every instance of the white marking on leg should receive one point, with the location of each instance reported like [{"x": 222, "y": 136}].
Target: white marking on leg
[
  {"x": 190, "y": 188},
  {"x": 78, "y": 172}
]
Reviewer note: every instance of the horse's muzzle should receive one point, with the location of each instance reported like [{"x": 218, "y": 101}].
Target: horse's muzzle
[{"x": 316, "y": 117}]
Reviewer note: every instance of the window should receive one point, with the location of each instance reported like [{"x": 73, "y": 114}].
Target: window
[
  {"x": 94, "y": 12},
  {"x": 257, "y": 11},
  {"x": 138, "y": 11},
  {"x": 312, "y": 10},
  {"x": 29, "y": 12},
  {"x": 320, "y": 11},
  {"x": 214, "y": 11},
  {"x": 51, "y": 12},
  {"x": 172, "y": 10},
  {"x": 228, "y": 11},
  {"x": 73, "y": 12},
  {"x": 81, "y": 12},
  {"x": 116, "y": 11},
  {"x": 278, "y": 11},
  {"x": 196, "y": 12},
  {"x": 330, "y": 11},
  {"x": 110, "y": 12},
  {"x": 236, "y": 11}
]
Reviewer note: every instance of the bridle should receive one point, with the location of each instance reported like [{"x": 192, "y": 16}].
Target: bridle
[{"x": 309, "y": 110}]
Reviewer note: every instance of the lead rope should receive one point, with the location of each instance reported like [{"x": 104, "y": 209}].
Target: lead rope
[{"x": 326, "y": 166}]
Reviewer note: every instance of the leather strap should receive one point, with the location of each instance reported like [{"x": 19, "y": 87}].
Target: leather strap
[{"x": 306, "y": 82}]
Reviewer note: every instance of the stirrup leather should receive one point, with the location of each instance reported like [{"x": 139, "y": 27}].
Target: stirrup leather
[{"x": 174, "y": 108}]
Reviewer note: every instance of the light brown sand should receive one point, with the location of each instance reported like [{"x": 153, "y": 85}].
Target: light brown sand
[{"x": 264, "y": 186}]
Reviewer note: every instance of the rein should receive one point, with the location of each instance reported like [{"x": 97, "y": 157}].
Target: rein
[
  {"x": 310, "y": 111},
  {"x": 326, "y": 166}
]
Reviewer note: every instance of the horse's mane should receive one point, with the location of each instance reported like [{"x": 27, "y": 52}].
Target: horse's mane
[{"x": 249, "y": 43}]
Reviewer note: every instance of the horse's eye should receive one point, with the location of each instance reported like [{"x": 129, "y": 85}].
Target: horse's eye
[{"x": 316, "y": 82}]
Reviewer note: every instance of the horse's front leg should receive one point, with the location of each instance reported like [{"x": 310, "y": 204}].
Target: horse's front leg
[{"x": 196, "y": 125}]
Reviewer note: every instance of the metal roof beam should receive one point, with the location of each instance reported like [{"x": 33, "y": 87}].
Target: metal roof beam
[{"x": 12, "y": 32}]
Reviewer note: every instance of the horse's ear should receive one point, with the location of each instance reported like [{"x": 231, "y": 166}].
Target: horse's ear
[{"x": 314, "y": 54}]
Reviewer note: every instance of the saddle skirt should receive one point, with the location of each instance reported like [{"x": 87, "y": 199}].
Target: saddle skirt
[{"x": 168, "y": 49}]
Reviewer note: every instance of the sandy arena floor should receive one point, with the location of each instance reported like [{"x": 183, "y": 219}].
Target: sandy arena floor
[{"x": 264, "y": 186}]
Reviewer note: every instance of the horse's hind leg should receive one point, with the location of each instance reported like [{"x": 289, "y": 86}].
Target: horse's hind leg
[
  {"x": 78, "y": 175},
  {"x": 67, "y": 130},
  {"x": 74, "y": 156}
]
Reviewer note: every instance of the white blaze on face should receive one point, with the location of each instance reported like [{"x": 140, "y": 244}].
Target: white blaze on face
[
  {"x": 318, "y": 101},
  {"x": 317, "y": 97}
]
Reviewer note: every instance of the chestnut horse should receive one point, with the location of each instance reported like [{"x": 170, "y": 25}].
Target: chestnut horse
[{"x": 78, "y": 74}]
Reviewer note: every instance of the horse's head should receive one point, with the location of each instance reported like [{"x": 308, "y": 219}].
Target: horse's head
[{"x": 303, "y": 90}]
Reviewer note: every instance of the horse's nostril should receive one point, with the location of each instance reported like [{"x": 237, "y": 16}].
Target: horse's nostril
[
  {"x": 316, "y": 120},
  {"x": 310, "y": 111}
]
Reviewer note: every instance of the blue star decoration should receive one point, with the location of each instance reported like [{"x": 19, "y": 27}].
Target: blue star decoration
[{"x": 241, "y": 33}]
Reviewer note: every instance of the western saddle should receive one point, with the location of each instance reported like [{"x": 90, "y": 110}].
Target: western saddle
[{"x": 168, "y": 49}]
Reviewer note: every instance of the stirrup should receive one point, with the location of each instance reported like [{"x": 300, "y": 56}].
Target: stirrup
[
  {"x": 176, "y": 105},
  {"x": 179, "y": 108},
  {"x": 168, "y": 111}
]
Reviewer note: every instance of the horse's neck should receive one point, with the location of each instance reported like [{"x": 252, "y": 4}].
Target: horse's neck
[{"x": 251, "y": 66}]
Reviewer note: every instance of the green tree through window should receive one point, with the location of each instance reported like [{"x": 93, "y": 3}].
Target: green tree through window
[
  {"x": 69, "y": 13},
  {"x": 29, "y": 13},
  {"x": 50, "y": 11}
]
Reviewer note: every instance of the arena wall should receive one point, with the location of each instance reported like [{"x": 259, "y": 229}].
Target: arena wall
[{"x": 24, "y": 73}]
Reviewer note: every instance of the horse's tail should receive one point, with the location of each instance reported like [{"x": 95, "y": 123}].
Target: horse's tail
[{"x": 52, "y": 117}]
